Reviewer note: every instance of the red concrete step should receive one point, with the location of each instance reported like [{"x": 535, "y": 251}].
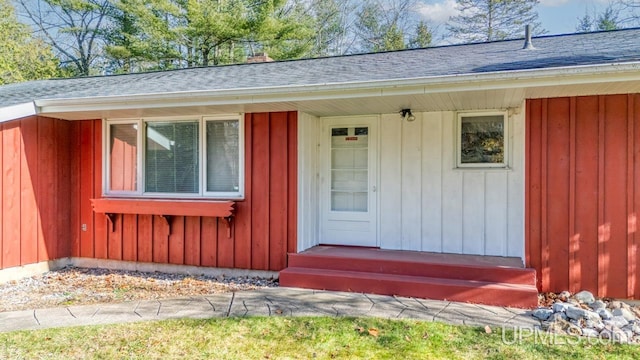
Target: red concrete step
[
  {"x": 490, "y": 293},
  {"x": 414, "y": 264}
]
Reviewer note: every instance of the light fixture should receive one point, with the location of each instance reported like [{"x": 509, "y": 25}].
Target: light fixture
[{"x": 407, "y": 115}]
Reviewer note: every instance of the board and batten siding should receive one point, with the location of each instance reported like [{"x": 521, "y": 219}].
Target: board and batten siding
[
  {"x": 583, "y": 193},
  {"x": 264, "y": 227},
  {"x": 427, "y": 204},
  {"x": 34, "y": 213}
]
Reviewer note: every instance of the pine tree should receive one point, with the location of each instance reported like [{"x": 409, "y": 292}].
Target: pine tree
[
  {"x": 422, "y": 37},
  {"x": 490, "y": 20},
  {"x": 165, "y": 34},
  {"x": 606, "y": 20},
  {"x": 384, "y": 25}
]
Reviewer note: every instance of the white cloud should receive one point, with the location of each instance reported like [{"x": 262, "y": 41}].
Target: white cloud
[
  {"x": 553, "y": 2},
  {"x": 439, "y": 11}
]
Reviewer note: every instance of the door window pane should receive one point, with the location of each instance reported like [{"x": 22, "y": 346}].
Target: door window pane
[
  {"x": 123, "y": 157},
  {"x": 349, "y": 169},
  {"x": 171, "y": 157},
  {"x": 223, "y": 154}
]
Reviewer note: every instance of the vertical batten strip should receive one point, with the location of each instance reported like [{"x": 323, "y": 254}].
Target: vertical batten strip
[
  {"x": 602, "y": 228},
  {"x": 636, "y": 204},
  {"x": 631, "y": 215},
  {"x": 574, "y": 239},
  {"x": 292, "y": 191},
  {"x": 544, "y": 234}
]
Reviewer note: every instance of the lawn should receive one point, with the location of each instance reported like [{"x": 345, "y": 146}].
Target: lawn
[{"x": 296, "y": 338}]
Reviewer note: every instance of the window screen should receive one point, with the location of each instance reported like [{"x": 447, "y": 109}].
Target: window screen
[{"x": 171, "y": 157}]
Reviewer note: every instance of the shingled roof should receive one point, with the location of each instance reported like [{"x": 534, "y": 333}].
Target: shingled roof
[{"x": 558, "y": 51}]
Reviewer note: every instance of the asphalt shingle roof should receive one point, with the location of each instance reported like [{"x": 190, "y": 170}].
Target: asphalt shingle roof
[{"x": 618, "y": 46}]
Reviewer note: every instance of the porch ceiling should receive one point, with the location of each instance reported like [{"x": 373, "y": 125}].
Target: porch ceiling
[{"x": 418, "y": 99}]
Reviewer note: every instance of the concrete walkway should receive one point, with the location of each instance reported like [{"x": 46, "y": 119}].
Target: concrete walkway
[{"x": 270, "y": 302}]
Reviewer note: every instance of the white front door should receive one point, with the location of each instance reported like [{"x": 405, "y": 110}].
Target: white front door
[{"x": 348, "y": 180}]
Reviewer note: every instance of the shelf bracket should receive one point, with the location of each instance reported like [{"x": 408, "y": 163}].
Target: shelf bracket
[
  {"x": 112, "y": 220},
  {"x": 227, "y": 221},
  {"x": 167, "y": 219}
]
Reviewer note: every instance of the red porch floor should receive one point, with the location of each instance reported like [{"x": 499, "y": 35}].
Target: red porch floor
[{"x": 468, "y": 278}]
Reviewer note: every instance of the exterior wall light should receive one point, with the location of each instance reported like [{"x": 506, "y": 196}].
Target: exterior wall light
[{"x": 407, "y": 115}]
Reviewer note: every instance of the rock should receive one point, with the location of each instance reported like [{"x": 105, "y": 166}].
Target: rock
[
  {"x": 564, "y": 296},
  {"x": 584, "y": 297},
  {"x": 573, "y": 302},
  {"x": 590, "y": 332},
  {"x": 599, "y": 326},
  {"x": 558, "y": 316},
  {"x": 617, "y": 321},
  {"x": 558, "y": 327},
  {"x": 592, "y": 316},
  {"x": 634, "y": 328},
  {"x": 574, "y": 330},
  {"x": 542, "y": 313},
  {"x": 598, "y": 304},
  {"x": 624, "y": 313},
  {"x": 575, "y": 313},
  {"x": 604, "y": 314},
  {"x": 614, "y": 334},
  {"x": 559, "y": 307},
  {"x": 615, "y": 304}
]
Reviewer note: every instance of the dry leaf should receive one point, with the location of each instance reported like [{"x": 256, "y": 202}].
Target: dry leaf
[
  {"x": 487, "y": 329},
  {"x": 425, "y": 335},
  {"x": 374, "y": 332},
  {"x": 407, "y": 338},
  {"x": 360, "y": 329},
  {"x": 278, "y": 311}
]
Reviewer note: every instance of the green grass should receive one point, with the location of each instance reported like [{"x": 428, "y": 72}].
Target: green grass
[{"x": 293, "y": 338}]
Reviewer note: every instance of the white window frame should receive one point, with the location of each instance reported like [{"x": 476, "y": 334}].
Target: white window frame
[
  {"x": 505, "y": 163},
  {"x": 202, "y": 158}
]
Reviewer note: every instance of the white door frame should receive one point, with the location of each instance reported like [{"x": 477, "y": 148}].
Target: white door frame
[{"x": 370, "y": 220}]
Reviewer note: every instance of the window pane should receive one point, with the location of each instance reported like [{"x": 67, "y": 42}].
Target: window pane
[
  {"x": 171, "y": 160},
  {"x": 223, "y": 151},
  {"x": 482, "y": 139},
  {"x": 350, "y": 169},
  {"x": 123, "y": 158}
]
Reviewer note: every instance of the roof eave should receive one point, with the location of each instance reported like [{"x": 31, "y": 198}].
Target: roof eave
[
  {"x": 570, "y": 75},
  {"x": 17, "y": 111}
]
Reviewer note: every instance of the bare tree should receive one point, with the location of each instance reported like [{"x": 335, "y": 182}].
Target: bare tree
[{"x": 74, "y": 28}]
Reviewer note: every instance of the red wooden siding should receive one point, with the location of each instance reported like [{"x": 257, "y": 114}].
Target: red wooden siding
[
  {"x": 582, "y": 200},
  {"x": 35, "y": 187},
  {"x": 263, "y": 228}
]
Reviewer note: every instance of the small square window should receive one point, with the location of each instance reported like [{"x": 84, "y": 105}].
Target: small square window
[{"x": 482, "y": 140}]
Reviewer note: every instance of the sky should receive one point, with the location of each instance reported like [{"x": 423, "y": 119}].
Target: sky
[{"x": 557, "y": 16}]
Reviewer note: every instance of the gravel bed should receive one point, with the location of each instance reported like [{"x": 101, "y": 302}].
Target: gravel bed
[{"x": 80, "y": 286}]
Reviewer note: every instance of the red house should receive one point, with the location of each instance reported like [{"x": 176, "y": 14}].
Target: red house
[{"x": 482, "y": 172}]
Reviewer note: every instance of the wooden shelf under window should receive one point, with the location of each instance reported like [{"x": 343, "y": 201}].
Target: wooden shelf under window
[{"x": 224, "y": 209}]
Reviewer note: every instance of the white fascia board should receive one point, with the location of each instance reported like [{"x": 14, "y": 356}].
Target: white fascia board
[
  {"x": 571, "y": 75},
  {"x": 18, "y": 111}
]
